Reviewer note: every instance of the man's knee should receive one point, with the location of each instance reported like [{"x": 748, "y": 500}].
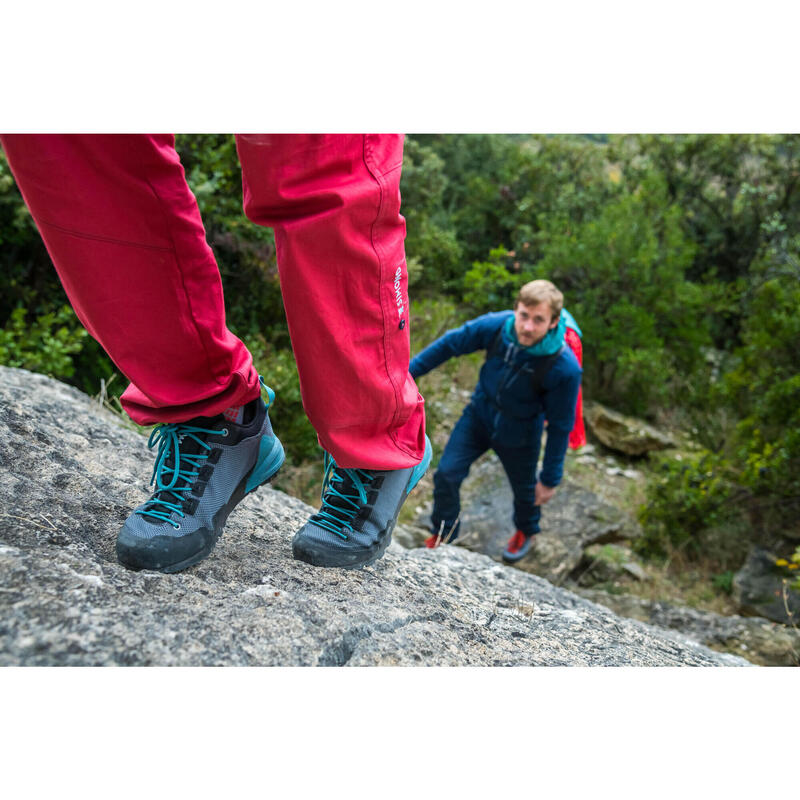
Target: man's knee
[{"x": 454, "y": 465}]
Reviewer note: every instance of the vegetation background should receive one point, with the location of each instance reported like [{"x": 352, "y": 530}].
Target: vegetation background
[{"x": 678, "y": 255}]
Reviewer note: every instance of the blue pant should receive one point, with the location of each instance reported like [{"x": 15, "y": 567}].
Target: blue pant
[{"x": 469, "y": 440}]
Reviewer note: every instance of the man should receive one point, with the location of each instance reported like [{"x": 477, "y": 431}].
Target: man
[
  {"x": 124, "y": 232},
  {"x": 529, "y": 375}
]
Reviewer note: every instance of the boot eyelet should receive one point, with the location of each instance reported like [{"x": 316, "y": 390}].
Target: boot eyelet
[{"x": 224, "y": 432}]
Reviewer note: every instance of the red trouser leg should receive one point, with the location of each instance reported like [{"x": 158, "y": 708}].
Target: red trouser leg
[
  {"x": 577, "y": 437},
  {"x": 334, "y": 203},
  {"x": 125, "y": 235}
]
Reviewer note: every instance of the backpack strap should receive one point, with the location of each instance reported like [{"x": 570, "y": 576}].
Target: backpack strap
[
  {"x": 544, "y": 366},
  {"x": 496, "y": 344},
  {"x": 537, "y": 375}
]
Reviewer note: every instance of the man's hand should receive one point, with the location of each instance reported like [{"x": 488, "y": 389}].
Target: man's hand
[{"x": 544, "y": 493}]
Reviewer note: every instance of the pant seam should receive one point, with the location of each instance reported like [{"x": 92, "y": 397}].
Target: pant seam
[
  {"x": 376, "y": 176},
  {"x": 108, "y": 239}
]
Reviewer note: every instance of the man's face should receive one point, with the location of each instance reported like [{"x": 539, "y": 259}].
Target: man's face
[{"x": 532, "y": 323}]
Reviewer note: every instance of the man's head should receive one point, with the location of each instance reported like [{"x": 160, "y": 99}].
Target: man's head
[{"x": 536, "y": 311}]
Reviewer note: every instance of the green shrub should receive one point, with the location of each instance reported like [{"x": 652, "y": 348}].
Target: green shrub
[
  {"x": 488, "y": 285},
  {"x": 764, "y": 389},
  {"x": 623, "y": 276},
  {"x": 433, "y": 252},
  {"x": 47, "y": 344},
  {"x": 723, "y": 581},
  {"x": 691, "y": 496}
]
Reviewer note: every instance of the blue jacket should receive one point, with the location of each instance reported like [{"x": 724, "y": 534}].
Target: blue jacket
[{"x": 504, "y": 399}]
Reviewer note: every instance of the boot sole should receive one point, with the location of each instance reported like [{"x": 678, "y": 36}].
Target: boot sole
[{"x": 514, "y": 559}]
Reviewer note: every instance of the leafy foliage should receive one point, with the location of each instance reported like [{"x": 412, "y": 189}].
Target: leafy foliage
[
  {"x": 433, "y": 251},
  {"x": 643, "y": 322},
  {"x": 765, "y": 388},
  {"x": 488, "y": 285},
  {"x": 691, "y": 496},
  {"x": 45, "y": 345}
]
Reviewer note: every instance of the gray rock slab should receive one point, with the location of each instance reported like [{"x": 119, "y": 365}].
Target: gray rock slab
[
  {"x": 628, "y": 435},
  {"x": 574, "y": 519},
  {"x": 70, "y": 472},
  {"x": 608, "y": 562},
  {"x": 763, "y": 588},
  {"x": 756, "y": 639}
]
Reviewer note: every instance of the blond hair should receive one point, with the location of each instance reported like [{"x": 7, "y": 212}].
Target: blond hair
[{"x": 541, "y": 291}]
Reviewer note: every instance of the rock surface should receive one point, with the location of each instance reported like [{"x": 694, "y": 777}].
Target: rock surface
[
  {"x": 760, "y": 588},
  {"x": 608, "y": 562},
  {"x": 625, "y": 434},
  {"x": 756, "y": 639},
  {"x": 69, "y": 474},
  {"x": 573, "y": 520}
]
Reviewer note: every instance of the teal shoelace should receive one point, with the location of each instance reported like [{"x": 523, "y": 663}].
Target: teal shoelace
[
  {"x": 169, "y": 495},
  {"x": 344, "y": 492}
]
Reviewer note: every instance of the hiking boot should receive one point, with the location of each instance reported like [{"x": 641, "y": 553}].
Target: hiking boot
[
  {"x": 518, "y": 547},
  {"x": 433, "y": 541},
  {"x": 359, "y": 510},
  {"x": 204, "y": 468}
]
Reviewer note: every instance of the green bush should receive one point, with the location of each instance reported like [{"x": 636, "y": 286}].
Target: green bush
[
  {"x": 692, "y": 496},
  {"x": 723, "y": 582},
  {"x": 46, "y": 344},
  {"x": 433, "y": 252},
  {"x": 488, "y": 285},
  {"x": 502, "y": 190},
  {"x": 623, "y": 276},
  {"x": 764, "y": 388}
]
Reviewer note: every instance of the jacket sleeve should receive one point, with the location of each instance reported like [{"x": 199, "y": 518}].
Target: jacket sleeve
[
  {"x": 471, "y": 336},
  {"x": 559, "y": 404}
]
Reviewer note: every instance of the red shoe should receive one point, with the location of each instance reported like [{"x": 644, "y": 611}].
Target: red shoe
[
  {"x": 518, "y": 547},
  {"x": 432, "y": 541}
]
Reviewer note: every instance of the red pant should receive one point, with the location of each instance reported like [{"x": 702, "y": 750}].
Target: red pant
[
  {"x": 577, "y": 436},
  {"x": 125, "y": 234}
]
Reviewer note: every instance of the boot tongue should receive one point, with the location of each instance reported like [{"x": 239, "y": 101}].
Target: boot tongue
[
  {"x": 343, "y": 508},
  {"x": 343, "y": 485},
  {"x": 207, "y": 423}
]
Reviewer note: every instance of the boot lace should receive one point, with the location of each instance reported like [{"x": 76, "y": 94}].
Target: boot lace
[
  {"x": 174, "y": 472},
  {"x": 344, "y": 492}
]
